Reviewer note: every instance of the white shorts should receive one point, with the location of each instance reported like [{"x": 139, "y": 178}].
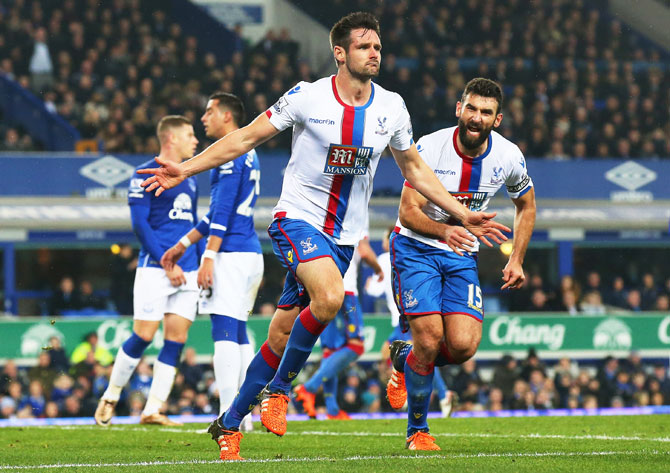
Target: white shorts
[
  {"x": 154, "y": 295},
  {"x": 237, "y": 277}
]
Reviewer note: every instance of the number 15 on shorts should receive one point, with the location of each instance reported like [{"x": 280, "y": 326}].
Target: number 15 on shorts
[{"x": 475, "y": 297}]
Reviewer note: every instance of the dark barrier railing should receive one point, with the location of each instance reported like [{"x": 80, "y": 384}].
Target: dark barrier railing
[{"x": 22, "y": 108}]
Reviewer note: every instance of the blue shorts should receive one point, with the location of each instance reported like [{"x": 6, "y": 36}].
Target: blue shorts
[
  {"x": 347, "y": 325},
  {"x": 294, "y": 242},
  {"x": 429, "y": 280}
]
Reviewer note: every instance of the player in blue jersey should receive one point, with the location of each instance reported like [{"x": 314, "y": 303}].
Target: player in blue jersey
[
  {"x": 232, "y": 265},
  {"x": 341, "y": 125},
  {"x": 160, "y": 294},
  {"x": 437, "y": 289}
]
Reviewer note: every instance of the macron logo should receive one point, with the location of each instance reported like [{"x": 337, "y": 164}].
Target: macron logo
[{"x": 319, "y": 121}]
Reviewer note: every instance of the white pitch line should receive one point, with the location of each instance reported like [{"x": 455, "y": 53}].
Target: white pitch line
[
  {"x": 330, "y": 459},
  {"x": 374, "y": 434}
]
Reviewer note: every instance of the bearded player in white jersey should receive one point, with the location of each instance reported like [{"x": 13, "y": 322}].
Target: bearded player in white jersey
[
  {"x": 341, "y": 124},
  {"x": 437, "y": 289}
]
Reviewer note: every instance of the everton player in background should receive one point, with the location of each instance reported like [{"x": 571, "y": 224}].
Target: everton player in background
[
  {"x": 341, "y": 124},
  {"x": 232, "y": 265},
  {"x": 437, "y": 289},
  {"x": 159, "y": 294}
]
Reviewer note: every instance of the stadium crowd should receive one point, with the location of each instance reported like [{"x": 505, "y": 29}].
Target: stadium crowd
[
  {"x": 579, "y": 82},
  {"x": 58, "y": 386},
  {"x": 593, "y": 296}
]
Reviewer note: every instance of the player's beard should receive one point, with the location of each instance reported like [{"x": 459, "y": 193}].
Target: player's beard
[
  {"x": 467, "y": 141},
  {"x": 362, "y": 73}
]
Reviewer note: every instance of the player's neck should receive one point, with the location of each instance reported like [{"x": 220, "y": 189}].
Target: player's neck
[
  {"x": 170, "y": 155},
  {"x": 473, "y": 153},
  {"x": 351, "y": 90}
]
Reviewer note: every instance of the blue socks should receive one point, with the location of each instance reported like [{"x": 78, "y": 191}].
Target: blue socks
[
  {"x": 327, "y": 375},
  {"x": 261, "y": 370},
  {"x": 439, "y": 386},
  {"x": 305, "y": 333},
  {"x": 135, "y": 346},
  {"x": 170, "y": 353},
  {"x": 419, "y": 383}
]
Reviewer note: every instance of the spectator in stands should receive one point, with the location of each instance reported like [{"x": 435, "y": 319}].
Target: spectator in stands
[
  {"x": 122, "y": 275},
  {"x": 662, "y": 303},
  {"x": 34, "y": 400},
  {"x": 11, "y": 374},
  {"x": 10, "y": 402},
  {"x": 616, "y": 296},
  {"x": 569, "y": 302},
  {"x": 41, "y": 67},
  {"x": 648, "y": 292},
  {"x": 89, "y": 301},
  {"x": 191, "y": 371},
  {"x": 634, "y": 300},
  {"x": 90, "y": 344},
  {"x": 59, "y": 361},
  {"x": 65, "y": 299},
  {"x": 43, "y": 372},
  {"x": 505, "y": 374},
  {"x": 592, "y": 304}
]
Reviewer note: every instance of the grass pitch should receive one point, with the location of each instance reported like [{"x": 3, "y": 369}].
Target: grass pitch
[{"x": 556, "y": 444}]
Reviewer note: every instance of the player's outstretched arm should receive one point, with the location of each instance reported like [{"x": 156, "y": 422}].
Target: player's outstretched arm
[
  {"x": 226, "y": 149},
  {"x": 524, "y": 222},
  {"x": 422, "y": 178},
  {"x": 411, "y": 216}
]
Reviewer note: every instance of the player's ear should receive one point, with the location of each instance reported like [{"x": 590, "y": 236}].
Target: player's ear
[
  {"x": 340, "y": 54},
  {"x": 458, "y": 109},
  {"x": 498, "y": 120}
]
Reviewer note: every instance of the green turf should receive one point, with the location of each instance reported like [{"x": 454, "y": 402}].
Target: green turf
[{"x": 556, "y": 444}]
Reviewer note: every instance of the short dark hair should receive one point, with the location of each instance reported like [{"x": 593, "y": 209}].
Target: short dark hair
[
  {"x": 340, "y": 33},
  {"x": 232, "y": 103},
  {"x": 484, "y": 88},
  {"x": 169, "y": 122}
]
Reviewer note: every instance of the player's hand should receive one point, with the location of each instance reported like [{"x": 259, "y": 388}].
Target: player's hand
[
  {"x": 167, "y": 176},
  {"x": 380, "y": 275},
  {"x": 171, "y": 256},
  {"x": 513, "y": 276},
  {"x": 206, "y": 273},
  {"x": 481, "y": 225},
  {"x": 176, "y": 276},
  {"x": 458, "y": 239}
]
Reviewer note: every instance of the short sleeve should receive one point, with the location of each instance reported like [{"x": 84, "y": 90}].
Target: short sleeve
[
  {"x": 287, "y": 111},
  {"x": 401, "y": 138},
  {"x": 518, "y": 181}
]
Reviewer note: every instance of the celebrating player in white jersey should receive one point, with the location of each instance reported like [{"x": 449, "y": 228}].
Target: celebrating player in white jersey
[
  {"x": 341, "y": 125},
  {"x": 160, "y": 293},
  {"x": 437, "y": 289},
  {"x": 232, "y": 265}
]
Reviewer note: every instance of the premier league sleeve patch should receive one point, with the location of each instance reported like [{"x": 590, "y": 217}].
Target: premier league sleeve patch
[{"x": 348, "y": 159}]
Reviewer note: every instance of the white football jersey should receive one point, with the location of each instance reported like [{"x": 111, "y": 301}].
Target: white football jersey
[
  {"x": 473, "y": 181},
  {"x": 335, "y": 153}
]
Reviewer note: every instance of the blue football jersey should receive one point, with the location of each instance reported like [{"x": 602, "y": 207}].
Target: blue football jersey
[
  {"x": 235, "y": 189},
  {"x": 160, "y": 222}
]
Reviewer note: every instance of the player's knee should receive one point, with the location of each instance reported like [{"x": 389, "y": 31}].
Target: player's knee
[
  {"x": 145, "y": 334},
  {"x": 277, "y": 339},
  {"x": 326, "y": 306},
  {"x": 177, "y": 337},
  {"x": 426, "y": 347},
  {"x": 463, "y": 346}
]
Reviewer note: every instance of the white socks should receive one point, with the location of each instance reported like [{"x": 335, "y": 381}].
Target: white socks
[
  {"x": 161, "y": 385},
  {"x": 123, "y": 369},
  {"x": 227, "y": 362}
]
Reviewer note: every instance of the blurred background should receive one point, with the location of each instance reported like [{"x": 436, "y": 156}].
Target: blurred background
[{"x": 587, "y": 99}]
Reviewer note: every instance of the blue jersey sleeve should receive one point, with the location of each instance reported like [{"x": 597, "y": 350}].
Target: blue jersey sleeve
[
  {"x": 139, "y": 215},
  {"x": 224, "y": 197},
  {"x": 203, "y": 224}
]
